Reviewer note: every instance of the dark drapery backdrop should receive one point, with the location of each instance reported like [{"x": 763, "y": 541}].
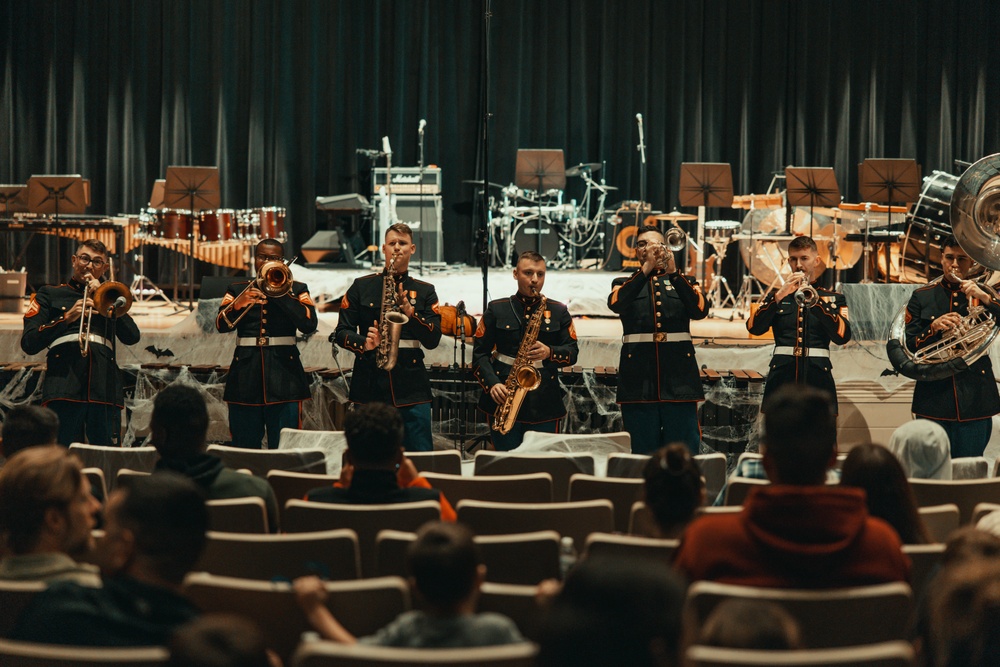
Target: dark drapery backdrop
[{"x": 279, "y": 94}]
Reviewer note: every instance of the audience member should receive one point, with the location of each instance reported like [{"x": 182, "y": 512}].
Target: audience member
[
  {"x": 154, "y": 533},
  {"x": 375, "y": 469},
  {"x": 614, "y": 613},
  {"x": 751, "y": 624},
  {"x": 219, "y": 640},
  {"x": 874, "y": 469},
  {"x": 47, "y": 514},
  {"x": 923, "y": 449},
  {"x": 963, "y": 624},
  {"x": 446, "y": 572},
  {"x": 796, "y": 532},
  {"x": 673, "y": 489},
  {"x": 178, "y": 427},
  {"x": 28, "y": 426}
]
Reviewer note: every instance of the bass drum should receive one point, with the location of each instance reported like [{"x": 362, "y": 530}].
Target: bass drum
[
  {"x": 539, "y": 236},
  {"x": 766, "y": 256},
  {"x": 929, "y": 221}
]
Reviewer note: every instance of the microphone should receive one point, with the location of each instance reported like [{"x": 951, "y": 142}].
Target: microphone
[
  {"x": 460, "y": 315},
  {"x": 460, "y": 307},
  {"x": 638, "y": 117},
  {"x": 367, "y": 152},
  {"x": 385, "y": 146},
  {"x": 120, "y": 302},
  {"x": 423, "y": 124}
]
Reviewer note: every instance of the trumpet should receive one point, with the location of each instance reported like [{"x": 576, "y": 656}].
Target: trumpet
[
  {"x": 806, "y": 295},
  {"x": 112, "y": 299},
  {"x": 676, "y": 239},
  {"x": 274, "y": 280}
]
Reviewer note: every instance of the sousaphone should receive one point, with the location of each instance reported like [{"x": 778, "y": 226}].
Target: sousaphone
[{"x": 975, "y": 222}]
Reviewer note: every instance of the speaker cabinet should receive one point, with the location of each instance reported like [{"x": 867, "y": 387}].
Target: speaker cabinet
[
  {"x": 328, "y": 246},
  {"x": 423, "y": 215}
]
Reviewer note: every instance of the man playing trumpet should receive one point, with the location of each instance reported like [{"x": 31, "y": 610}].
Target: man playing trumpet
[
  {"x": 659, "y": 385},
  {"x": 85, "y": 390},
  {"x": 804, "y": 318},
  {"x": 406, "y": 385},
  {"x": 266, "y": 383},
  {"x": 965, "y": 403}
]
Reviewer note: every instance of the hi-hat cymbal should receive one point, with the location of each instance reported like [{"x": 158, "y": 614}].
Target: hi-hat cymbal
[
  {"x": 592, "y": 167},
  {"x": 480, "y": 184},
  {"x": 675, "y": 215}
]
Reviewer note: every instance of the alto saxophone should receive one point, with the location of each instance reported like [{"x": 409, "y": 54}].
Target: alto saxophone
[
  {"x": 524, "y": 377},
  {"x": 391, "y": 320}
]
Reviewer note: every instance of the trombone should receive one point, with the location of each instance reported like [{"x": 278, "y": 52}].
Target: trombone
[
  {"x": 274, "y": 280},
  {"x": 111, "y": 299}
]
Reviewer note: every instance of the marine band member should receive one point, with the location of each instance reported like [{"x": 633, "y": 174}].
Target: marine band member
[
  {"x": 85, "y": 391},
  {"x": 802, "y": 334},
  {"x": 266, "y": 383},
  {"x": 498, "y": 339},
  {"x": 965, "y": 403},
  {"x": 407, "y": 386},
  {"x": 659, "y": 384}
]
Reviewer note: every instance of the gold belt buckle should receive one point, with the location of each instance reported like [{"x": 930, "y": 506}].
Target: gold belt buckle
[
  {"x": 262, "y": 341},
  {"x": 799, "y": 352},
  {"x": 659, "y": 337}
]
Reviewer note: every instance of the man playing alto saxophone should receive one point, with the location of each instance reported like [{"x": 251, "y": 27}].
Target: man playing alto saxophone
[
  {"x": 406, "y": 385},
  {"x": 499, "y": 344}
]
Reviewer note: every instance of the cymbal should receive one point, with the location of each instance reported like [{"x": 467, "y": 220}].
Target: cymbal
[
  {"x": 592, "y": 167},
  {"x": 675, "y": 215},
  {"x": 480, "y": 184}
]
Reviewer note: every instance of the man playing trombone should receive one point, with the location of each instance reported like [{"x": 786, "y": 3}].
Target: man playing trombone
[
  {"x": 404, "y": 383},
  {"x": 805, "y": 318},
  {"x": 82, "y": 382},
  {"x": 659, "y": 385},
  {"x": 266, "y": 383}
]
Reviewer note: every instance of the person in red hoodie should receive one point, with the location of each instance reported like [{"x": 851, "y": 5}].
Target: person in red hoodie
[{"x": 796, "y": 532}]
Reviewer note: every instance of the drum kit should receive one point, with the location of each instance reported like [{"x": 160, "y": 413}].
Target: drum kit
[
  {"x": 222, "y": 225},
  {"x": 562, "y": 232}
]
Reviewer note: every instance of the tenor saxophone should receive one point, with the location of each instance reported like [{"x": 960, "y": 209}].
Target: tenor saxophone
[
  {"x": 524, "y": 377},
  {"x": 390, "y": 322}
]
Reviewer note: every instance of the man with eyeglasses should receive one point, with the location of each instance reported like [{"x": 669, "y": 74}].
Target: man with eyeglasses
[
  {"x": 266, "y": 383},
  {"x": 965, "y": 403},
  {"x": 659, "y": 384},
  {"x": 86, "y": 392}
]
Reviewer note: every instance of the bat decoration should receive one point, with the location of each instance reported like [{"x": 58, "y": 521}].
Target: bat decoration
[{"x": 158, "y": 352}]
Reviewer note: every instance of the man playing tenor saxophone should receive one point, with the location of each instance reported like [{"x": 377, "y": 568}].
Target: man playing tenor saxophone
[
  {"x": 393, "y": 374},
  {"x": 525, "y": 329}
]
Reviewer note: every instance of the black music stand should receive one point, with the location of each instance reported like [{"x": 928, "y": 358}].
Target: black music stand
[
  {"x": 812, "y": 187},
  {"x": 198, "y": 189},
  {"x": 56, "y": 194},
  {"x": 892, "y": 181},
  {"x": 9, "y": 197},
  {"x": 540, "y": 169},
  {"x": 705, "y": 184}
]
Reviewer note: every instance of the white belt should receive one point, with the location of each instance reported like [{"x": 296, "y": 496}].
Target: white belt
[
  {"x": 409, "y": 343},
  {"x": 73, "y": 338},
  {"x": 657, "y": 337},
  {"x": 266, "y": 341},
  {"x": 788, "y": 350},
  {"x": 504, "y": 359}
]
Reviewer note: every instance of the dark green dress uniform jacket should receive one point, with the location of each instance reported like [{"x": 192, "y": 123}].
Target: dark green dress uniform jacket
[
  {"x": 70, "y": 376},
  {"x": 267, "y": 374},
  {"x": 408, "y": 383},
  {"x": 500, "y": 332},
  {"x": 658, "y": 304},
  {"x": 799, "y": 328},
  {"x": 971, "y": 394}
]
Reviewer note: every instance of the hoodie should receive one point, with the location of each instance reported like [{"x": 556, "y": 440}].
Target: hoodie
[
  {"x": 794, "y": 537},
  {"x": 220, "y": 482}
]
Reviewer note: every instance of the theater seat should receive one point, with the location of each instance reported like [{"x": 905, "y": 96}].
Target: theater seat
[{"x": 331, "y": 654}]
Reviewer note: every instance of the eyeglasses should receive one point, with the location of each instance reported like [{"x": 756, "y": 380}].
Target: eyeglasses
[
  {"x": 642, "y": 244},
  {"x": 269, "y": 258},
  {"x": 95, "y": 262}
]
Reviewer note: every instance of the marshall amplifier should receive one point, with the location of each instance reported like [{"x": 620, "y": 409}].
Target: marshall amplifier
[{"x": 406, "y": 180}]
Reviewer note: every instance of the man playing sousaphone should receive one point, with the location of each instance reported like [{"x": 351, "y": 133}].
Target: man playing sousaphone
[
  {"x": 659, "y": 384},
  {"x": 804, "y": 318},
  {"x": 964, "y": 403},
  {"x": 403, "y": 383}
]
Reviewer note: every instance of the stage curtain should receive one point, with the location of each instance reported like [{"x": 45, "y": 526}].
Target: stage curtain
[{"x": 280, "y": 94}]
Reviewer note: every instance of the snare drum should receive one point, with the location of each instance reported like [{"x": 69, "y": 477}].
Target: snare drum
[
  {"x": 176, "y": 224},
  {"x": 271, "y": 223},
  {"x": 216, "y": 226}
]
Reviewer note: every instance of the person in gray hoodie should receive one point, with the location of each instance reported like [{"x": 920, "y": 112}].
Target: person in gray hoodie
[{"x": 178, "y": 427}]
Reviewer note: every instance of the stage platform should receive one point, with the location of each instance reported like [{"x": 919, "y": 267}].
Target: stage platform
[{"x": 873, "y": 400}]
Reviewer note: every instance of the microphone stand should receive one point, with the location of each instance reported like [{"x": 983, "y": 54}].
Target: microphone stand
[
  {"x": 420, "y": 203},
  {"x": 460, "y": 330},
  {"x": 641, "y": 147}
]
